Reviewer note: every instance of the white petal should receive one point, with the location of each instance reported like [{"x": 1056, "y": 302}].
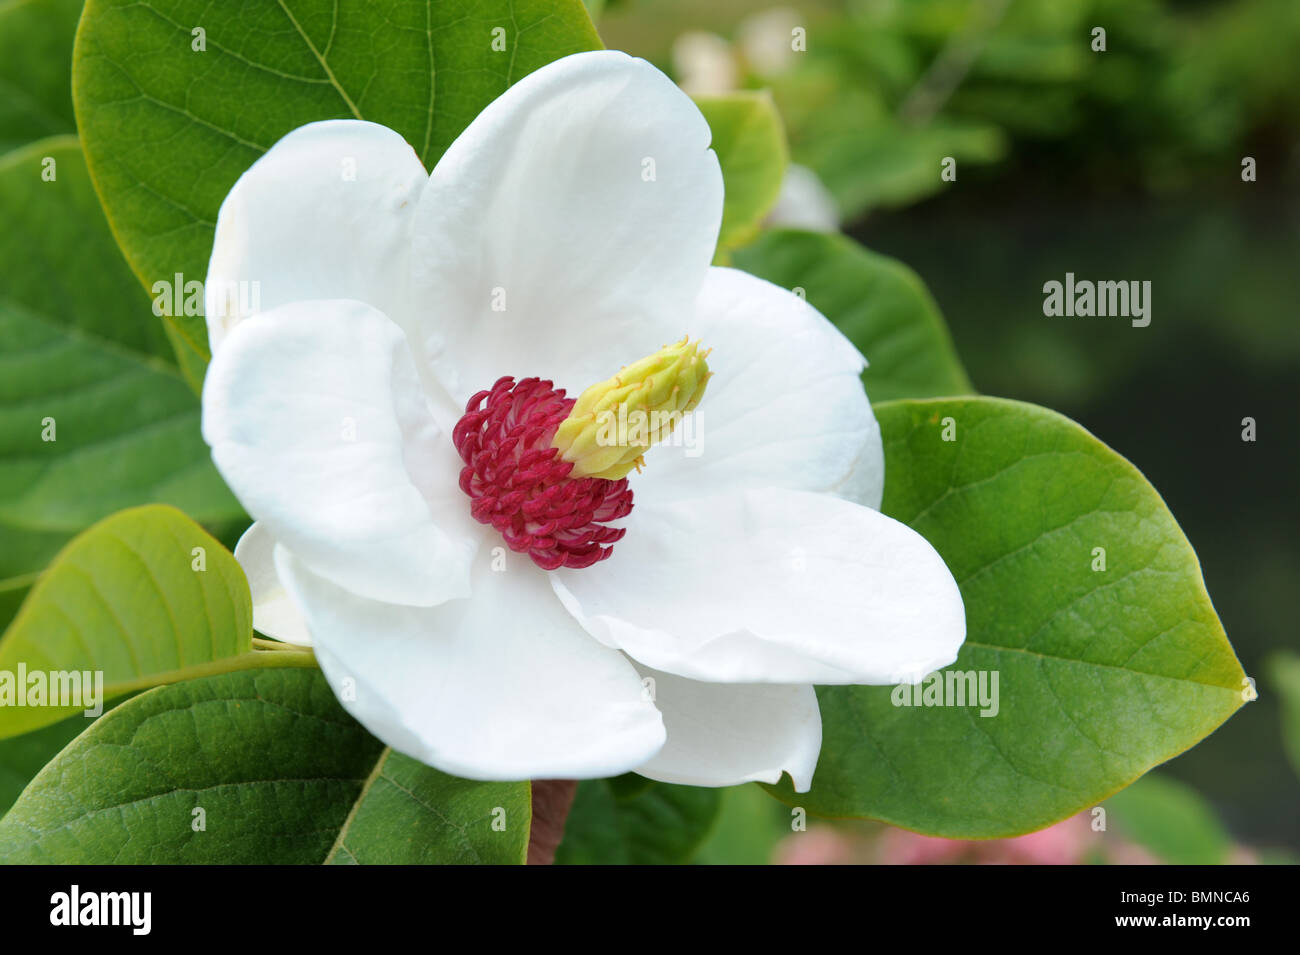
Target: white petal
[
  {"x": 771, "y": 586},
  {"x": 325, "y": 213},
  {"x": 785, "y": 406},
  {"x": 319, "y": 425},
  {"x": 567, "y": 230},
  {"x": 865, "y": 482},
  {"x": 502, "y": 685},
  {"x": 274, "y": 612},
  {"x": 724, "y": 734}
]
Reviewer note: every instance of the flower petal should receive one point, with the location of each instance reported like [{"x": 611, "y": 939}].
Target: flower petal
[
  {"x": 325, "y": 213},
  {"x": 724, "y": 734},
  {"x": 274, "y": 612},
  {"x": 785, "y": 406},
  {"x": 771, "y": 586},
  {"x": 318, "y": 423},
  {"x": 865, "y": 482},
  {"x": 567, "y": 230},
  {"x": 502, "y": 685}
]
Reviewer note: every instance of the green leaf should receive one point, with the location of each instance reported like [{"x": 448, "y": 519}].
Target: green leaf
[
  {"x": 749, "y": 828},
  {"x": 750, "y": 143},
  {"x": 128, "y": 599},
  {"x": 87, "y": 428},
  {"x": 1170, "y": 820},
  {"x": 22, "y": 757},
  {"x": 281, "y": 773},
  {"x": 35, "y": 62},
  {"x": 15, "y": 587},
  {"x": 168, "y": 129},
  {"x": 1284, "y": 679},
  {"x": 408, "y": 813},
  {"x": 60, "y": 258},
  {"x": 629, "y": 785},
  {"x": 879, "y": 303},
  {"x": 59, "y": 231},
  {"x": 1102, "y": 674},
  {"x": 79, "y": 344},
  {"x": 614, "y": 822}
]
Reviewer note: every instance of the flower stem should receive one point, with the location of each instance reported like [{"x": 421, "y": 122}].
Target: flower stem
[
  {"x": 552, "y": 799},
  {"x": 260, "y": 643}
]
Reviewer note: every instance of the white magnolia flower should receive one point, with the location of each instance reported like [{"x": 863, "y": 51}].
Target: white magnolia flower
[{"x": 567, "y": 232}]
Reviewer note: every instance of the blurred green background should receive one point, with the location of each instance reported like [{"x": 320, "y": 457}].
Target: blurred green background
[{"x": 1122, "y": 164}]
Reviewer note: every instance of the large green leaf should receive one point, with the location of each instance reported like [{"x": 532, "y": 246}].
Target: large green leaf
[
  {"x": 167, "y": 129},
  {"x": 87, "y": 428},
  {"x": 750, "y": 144},
  {"x": 18, "y": 550},
  {"x": 1102, "y": 673},
  {"x": 79, "y": 344},
  {"x": 409, "y": 813},
  {"x": 22, "y": 757},
  {"x": 70, "y": 235},
  {"x": 143, "y": 597},
  {"x": 60, "y": 257},
  {"x": 879, "y": 303},
  {"x": 633, "y": 821},
  {"x": 281, "y": 773},
  {"x": 35, "y": 62}
]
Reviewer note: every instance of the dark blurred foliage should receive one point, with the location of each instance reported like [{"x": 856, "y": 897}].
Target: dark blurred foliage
[
  {"x": 1179, "y": 90},
  {"x": 887, "y": 88}
]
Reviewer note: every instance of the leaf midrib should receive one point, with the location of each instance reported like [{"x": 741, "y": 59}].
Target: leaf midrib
[
  {"x": 1103, "y": 666},
  {"x": 356, "y": 807},
  {"x": 329, "y": 73}
]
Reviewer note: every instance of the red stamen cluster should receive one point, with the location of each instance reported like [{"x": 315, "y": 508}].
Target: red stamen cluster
[{"x": 519, "y": 484}]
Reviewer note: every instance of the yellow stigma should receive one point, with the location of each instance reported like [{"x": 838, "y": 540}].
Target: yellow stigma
[{"x": 614, "y": 422}]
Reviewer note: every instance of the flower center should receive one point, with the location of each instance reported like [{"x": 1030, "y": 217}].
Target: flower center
[{"x": 549, "y": 472}]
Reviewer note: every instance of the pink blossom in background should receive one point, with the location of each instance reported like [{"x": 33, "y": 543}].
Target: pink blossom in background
[
  {"x": 820, "y": 845},
  {"x": 1067, "y": 843}
]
